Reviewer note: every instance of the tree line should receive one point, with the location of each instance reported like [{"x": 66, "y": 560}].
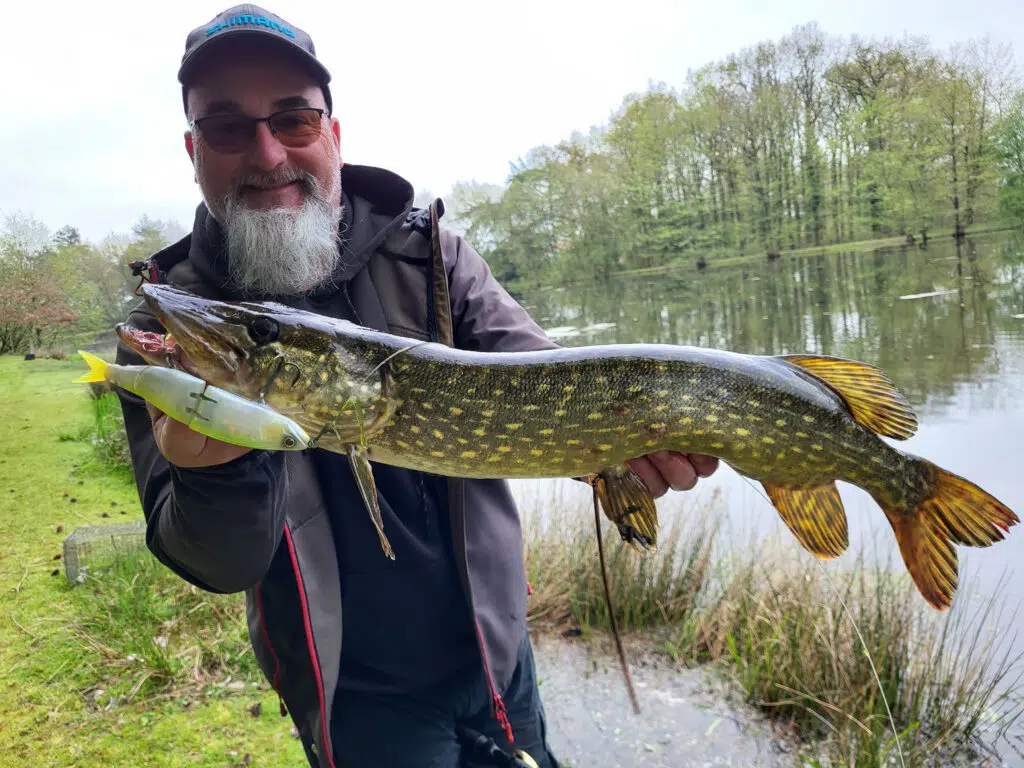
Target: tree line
[
  {"x": 54, "y": 286},
  {"x": 806, "y": 141}
]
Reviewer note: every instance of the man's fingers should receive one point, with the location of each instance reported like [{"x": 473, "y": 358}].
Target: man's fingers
[
  {"x": 705, "y": 465},
  {"x": 676, "y": 469},
  {"x": 650, "y": 474}
]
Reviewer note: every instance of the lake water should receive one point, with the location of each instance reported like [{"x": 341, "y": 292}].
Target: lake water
[{"x": 946, "y": 322}]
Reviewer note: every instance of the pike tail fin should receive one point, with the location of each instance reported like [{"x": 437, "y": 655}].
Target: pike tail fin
[
  {"x": 97, "y": 369},
  {"x": 952, "y": 511}
]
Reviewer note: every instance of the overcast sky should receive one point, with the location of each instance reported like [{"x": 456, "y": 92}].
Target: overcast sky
[{"x": 92, "y": 123}]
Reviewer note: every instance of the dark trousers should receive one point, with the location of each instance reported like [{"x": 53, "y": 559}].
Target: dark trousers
[{"x": 419, "y": 730}]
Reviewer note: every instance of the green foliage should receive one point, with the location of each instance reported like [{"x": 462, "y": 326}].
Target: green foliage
[
  {"x": 807, "y": 141},
  {"x": 108, "y": 437}
]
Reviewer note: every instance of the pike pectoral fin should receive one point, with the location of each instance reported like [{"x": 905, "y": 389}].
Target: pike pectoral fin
[
  {"x": 815, "y": 516},
  {"x": 363, "y": 473},
  {"x": 627, "y": 503},
  {"x": 872, "y": 398}
]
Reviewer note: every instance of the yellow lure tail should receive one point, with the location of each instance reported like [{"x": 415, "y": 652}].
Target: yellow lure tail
[{"x": 97, "y": 369}]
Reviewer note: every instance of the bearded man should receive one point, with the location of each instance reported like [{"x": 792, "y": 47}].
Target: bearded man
[{"x": 379, "y": 662}]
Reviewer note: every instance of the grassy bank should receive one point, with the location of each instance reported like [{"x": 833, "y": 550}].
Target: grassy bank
[
  {"x": 135, "y": 667},
  {"x": 835, "y": 658}
]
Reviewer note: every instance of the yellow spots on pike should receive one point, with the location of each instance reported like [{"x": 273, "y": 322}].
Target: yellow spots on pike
[
  {"x": 687, "y": 398},
  {"x": 809, "y": 419},
  {"x": 560, "y": 412},
  {"x": 401, "y": 443},
  {"x": 438, "y": 434},
  {"x": 531, "y": 407},
  {"x": 487, "y": 414},
  {"x": 718, "y": 445},
  {"x": 415, "y": 429},
  {"x": 455, "y": 411},
  {"x": 420, "y": 443},
  {"x": 322, "y": 358},
  {"x": 711, "y": 417},
  {"x": 467, "y": 455},
  {"x": 323, "y": 375},
  {"x": 780, "y": 422},
  {"x": 817, "y": 446},
  {"x": 636, "y": 388},
  {"x": 796, "y": 449},
  {"x": 650, "y": 443},
  {"x": 504, "y": 448},
  {"x": 604, "y": 447},
  {"x": 479, "y": 432},
  {"x": 437, "y": 454},
  {"x": 568, "y": 388},
  {"x": 601, "y": 380},
  {"x": 514, "y": 427},
  {"x": 660, "y": 408},
  {"x": 493, "y": 459},
  {"x": 698, "y": 432},
  {"x": 536, "y": 452},
  {"x": 754, "y": 417},
  {"x": 418, "y": 391},
  {"x": 876, "y": 459},
  {"x": 686, "y": 420},
  {"x": 594, "y": 416},
  {"x": 741, "y": 431},
  {"x": 768, "y": 440},
  {"x": 428, "y": 406},
  {"x": 572, "y": 442},
  {"x": 753, "y": 403},
  {"x": 498, "y": 392},
  {"x": 547, "y": 431},
  {"x": 662, "y": 393},
  {"x": 801, "y": 434},
  {"x": 462, "y": 441}
]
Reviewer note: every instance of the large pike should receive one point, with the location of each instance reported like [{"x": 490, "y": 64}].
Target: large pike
[{"x": 796, "y": 423}]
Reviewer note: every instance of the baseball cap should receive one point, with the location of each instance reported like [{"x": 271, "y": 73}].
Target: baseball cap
[{"x": 255, "y": 23}]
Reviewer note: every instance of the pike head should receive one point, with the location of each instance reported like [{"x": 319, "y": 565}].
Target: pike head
[{"x": 299, "y": 363}]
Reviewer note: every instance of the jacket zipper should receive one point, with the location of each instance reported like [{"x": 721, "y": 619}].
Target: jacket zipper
[
  {"x": 308, "y": 627},
  {"x": 497, "y": 704},
  {"x": 270, "y": 647}
]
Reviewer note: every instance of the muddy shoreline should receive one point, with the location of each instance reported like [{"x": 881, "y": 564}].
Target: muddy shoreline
[{"x": 686, "y": 718}]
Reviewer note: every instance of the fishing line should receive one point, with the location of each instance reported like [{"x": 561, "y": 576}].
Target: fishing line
[{"x": 856, "y": 629}]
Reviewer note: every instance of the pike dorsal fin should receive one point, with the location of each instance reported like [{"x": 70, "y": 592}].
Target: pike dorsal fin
[{"x": 872, "y": 398}]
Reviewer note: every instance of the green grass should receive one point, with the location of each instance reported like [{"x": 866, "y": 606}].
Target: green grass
[
  {"x": 784, "y": 629},
  {"x": 68, "y": 694}
]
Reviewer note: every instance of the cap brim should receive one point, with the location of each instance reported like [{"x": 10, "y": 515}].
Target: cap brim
[{"x": 197, "y": 57}]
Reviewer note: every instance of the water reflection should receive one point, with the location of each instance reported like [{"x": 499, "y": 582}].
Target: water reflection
[{"x": 946, "y": 322}]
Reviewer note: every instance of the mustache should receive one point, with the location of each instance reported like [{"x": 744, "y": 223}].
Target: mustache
[{"x": 308, "y": 182}]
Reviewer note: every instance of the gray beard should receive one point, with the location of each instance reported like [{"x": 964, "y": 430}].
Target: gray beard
[{"x": 283, "y": 251}]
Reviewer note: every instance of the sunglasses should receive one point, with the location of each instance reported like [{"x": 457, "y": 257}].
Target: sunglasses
[{"x": 231, "y": 134}]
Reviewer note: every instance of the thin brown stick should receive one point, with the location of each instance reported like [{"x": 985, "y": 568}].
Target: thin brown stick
[{"x": 608, "y": 602}]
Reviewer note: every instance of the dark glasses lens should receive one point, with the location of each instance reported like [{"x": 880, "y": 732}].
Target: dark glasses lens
[{"x": 233, "y": 133}]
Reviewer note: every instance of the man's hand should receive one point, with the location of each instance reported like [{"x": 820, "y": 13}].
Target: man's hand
[
  {"x": 669, "y": 469},
  {"x": 185, "y": 447}
]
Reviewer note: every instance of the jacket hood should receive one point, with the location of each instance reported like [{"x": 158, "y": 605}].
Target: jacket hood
[{"x": 375, "y": 202}]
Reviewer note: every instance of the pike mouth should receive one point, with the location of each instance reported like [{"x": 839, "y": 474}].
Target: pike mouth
[{"x": 156, "y": 349}]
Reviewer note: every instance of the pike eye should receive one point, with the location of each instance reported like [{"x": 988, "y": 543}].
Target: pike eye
[{"x": 263, "y": 330}]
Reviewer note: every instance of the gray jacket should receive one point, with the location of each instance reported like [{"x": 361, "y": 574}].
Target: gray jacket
[{"x": 258, "y": 524}]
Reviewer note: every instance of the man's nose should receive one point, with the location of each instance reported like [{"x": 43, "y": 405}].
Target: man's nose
[{"x": 266, "y": 152}]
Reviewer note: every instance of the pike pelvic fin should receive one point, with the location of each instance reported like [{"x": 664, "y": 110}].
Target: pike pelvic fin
[
  {"x": 871, "y": 396},
  {"x": 815, "y": 516},
  {"x": 97, "y": 369},
  {"x": 628, "y": 503},
  {"x": 363, "y": 473},
  {"x": 953, "y": 511}
]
